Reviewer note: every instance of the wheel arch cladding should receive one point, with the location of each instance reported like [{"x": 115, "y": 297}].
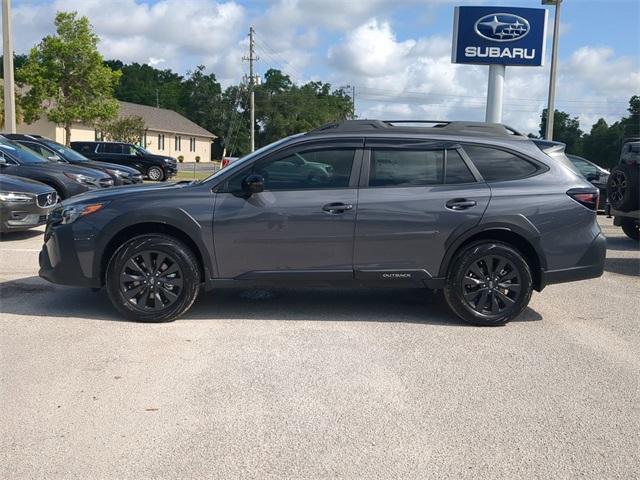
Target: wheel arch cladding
[
  {"x": 505, "y": 235},
  {"x": 137, "y": 229}
]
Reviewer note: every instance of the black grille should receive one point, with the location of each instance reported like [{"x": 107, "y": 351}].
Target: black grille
[
  {"x": 47, "y": 199},
  {"x": 42, "y": 219}
]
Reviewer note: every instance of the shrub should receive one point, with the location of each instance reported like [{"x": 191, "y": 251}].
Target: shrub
[
  {"x": 197, "y": 158},
  {"x": 180, "y": 158}
]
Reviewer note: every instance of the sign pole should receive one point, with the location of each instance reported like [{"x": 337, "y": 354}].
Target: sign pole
[
  {"x": 9, "y": 92},
  {"x": 495, "y": 93},
  {"x": 551, "y": 103}
]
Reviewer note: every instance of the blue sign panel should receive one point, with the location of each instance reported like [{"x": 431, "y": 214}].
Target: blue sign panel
[{"x": 499, "y": 35}]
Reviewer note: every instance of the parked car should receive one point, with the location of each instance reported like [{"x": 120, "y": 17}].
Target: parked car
[
  {"x": 623, "y": 190},
  {"x": 478, "y": 210},
  {"x": 595, "y": 174},
  {"x": 24, "y": 203},
  {"x": 67, "y": 180},
  {"x": 121, "y": 175},
  {"x": 155, "y": 167}
]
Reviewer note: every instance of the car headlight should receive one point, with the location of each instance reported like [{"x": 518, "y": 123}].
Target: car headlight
[
  {"x": 168, "y": 160},
  {"x": 80, "y": 178},
  {"x": 16, "y": 197},
  {"x": 71, "y": 213},
  {"x": 118, "y": 173}
]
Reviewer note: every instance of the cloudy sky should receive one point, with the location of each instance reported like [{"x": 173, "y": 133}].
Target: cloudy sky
[{"x": 397, "y": 53}]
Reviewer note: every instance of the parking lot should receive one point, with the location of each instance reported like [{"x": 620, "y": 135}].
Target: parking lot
[{"x": 319, "y": 383}]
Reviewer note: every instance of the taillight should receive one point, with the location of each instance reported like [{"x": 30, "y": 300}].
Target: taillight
[
  {"x": 225, "y": 162},
  {"x": 588, "y": 198}
]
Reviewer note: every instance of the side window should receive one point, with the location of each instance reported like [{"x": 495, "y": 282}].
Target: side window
[
  {"x": 457, "y": 170},
  {"x": 111, "y": 148},
  {"x": 305, "y": 170},
  {"x": 395, "y": 168},
  {"x": 129, "y": 150},
  {"x": 495, "y": 165},
  {"x": 86, "y": 148}
]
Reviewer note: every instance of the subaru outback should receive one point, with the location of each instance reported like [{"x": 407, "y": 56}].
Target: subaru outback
[{"x": 477, "y": 210}]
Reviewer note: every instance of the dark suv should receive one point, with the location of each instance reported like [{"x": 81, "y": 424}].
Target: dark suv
[
  {"x": 477, "y": 210},
  {"x": 154, "y": 167},
  {"x": 57, "y": 152}
]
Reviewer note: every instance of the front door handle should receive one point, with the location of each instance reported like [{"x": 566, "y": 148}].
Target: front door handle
[
  {"x": 460, "y": 204},
  {"x": 337, "y": 207}
]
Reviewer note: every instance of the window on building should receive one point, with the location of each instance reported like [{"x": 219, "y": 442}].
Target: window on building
[
  {"x": 406, "y": 168},
  {"x": 160, "y": 141},
  {"x": 98, "y": 135},
  {"x": 177, "y": 143},
  {"x": 192, "y": 144}
]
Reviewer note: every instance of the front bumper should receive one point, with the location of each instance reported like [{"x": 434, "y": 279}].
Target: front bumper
[
  {"x": 591, "y": 265},
  {"x": 68, "y": 253},
  {"x": 20, "y": 216},
  {"x": 170, "y": 169}
]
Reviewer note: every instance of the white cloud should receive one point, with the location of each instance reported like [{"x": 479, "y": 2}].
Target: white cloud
[{"x": 415, "y": 78}]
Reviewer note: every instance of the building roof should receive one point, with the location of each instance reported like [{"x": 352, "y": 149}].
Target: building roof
[{"x": 163, "y": 120}]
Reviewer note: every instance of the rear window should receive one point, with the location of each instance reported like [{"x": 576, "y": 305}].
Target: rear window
[
  {"x": 496, "y": 165},
  {"x": 394, "y": 168}
]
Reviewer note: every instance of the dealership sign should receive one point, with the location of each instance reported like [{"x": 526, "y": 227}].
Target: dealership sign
[{"x": 499, "y": 35}]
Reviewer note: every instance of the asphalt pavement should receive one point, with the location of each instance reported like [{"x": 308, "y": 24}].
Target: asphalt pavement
[{"x": 320, "y": 384}]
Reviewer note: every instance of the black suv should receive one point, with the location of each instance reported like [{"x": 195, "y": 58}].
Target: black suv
[
  {"x": 155, "y": 167},
  {"x": 67, "y": 180},
  {"x": 57, "y": 152},
  {"x": 477, "y": 210}
]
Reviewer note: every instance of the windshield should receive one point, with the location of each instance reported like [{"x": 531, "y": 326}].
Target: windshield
[
  {"x": 238, "y": 163},
  {"x": 65, "y": 152},
  {"x": 22, "y": 154}
]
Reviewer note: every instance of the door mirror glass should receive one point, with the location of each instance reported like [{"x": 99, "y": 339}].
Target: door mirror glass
[
  {"x": 253, "y": 184},
  {"x": 54, "y": 158},
  {"x": 3, "y": 161}
]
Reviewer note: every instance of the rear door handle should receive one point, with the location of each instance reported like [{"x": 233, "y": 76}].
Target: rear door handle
[
  {"x": 337, "y": 207},
  {"x": 460, "y": 204}
]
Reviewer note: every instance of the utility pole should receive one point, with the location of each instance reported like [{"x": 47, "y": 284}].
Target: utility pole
[
  {"x": 353, "y": 100},
  {"x": 551, "y": 104},
  {"x": 252, "y": 81},
  {"x": 9, "y": 88},
  {"x": 157, "y": 98}
]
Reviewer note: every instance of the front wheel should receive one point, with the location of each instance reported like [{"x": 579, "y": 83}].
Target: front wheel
[
  {"x": 489, "y": 283},
  {"x": 156, "y": 174},
  {"x": 631, "y": 228},
  {"x": 153, "y": 278}
]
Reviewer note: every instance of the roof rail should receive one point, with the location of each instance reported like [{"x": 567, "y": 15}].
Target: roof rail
[{"x": 421, "y": 126}]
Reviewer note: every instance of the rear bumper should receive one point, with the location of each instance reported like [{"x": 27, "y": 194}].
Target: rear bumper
[{"x": 591, "y": 265}]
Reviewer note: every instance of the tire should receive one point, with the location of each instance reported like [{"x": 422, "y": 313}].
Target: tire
[
  {"x": 471, "y": 296},
  {"x": 623, "y": 187},
  {"x": 156, "y": 174},
  {"x": 631, "y": 228},
  {"x": 133, "y": 272}
]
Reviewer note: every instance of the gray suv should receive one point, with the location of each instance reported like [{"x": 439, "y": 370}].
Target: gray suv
[{"x": 477, "y": 210}]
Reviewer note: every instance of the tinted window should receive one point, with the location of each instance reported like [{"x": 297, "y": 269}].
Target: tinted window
[
  {"x": 111, "y": 148},
  {"x": 130, "y": 150},
  {"x": 495, "y": 164},
  {"x": 22, "y": 154},
  {"x": 68, "y": 153},
  {"x": 405, "y": 167},
  {"x": 309, "y": 170},
  {"x": 585, "y": 167},
  {"x": 457, "y": 170}
]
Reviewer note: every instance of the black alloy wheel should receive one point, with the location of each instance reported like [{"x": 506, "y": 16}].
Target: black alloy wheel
[
  {"x": 151, "y": 280},
  {"x": 488, "y": 283},
  {"x": 617, "y": 187},
  {"x": 491, "y": 285}
]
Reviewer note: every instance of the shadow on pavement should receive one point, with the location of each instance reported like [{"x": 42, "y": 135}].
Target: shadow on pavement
[
  {"x": 17, "y": 236},
  {"x": 33, "y": 296},
  {"x": 622, "y": 244},
  {"x": 623, "y": 266}
]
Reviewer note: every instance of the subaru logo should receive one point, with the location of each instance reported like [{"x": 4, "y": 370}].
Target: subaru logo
[{"x": 502, "y": 27}]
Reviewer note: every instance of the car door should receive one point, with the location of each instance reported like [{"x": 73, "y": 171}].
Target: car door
[
  {"x": 414, "y": 197},
  {"x": 111, "y": 153},
  {"x": 301, "y": 225}
]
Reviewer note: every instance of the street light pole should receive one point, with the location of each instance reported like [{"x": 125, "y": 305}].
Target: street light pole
[
  {"x": 551, "y": 103},
  {"x": 9, "y": 89}
]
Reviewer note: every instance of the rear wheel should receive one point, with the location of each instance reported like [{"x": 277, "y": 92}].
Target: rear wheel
[
  {"x": 153, "y": 278},
  {"x": 489, "y": 283},
  {"x": 631, "y": 228},
  {"x": 623, "y": 188},
  {"x": 156, "y": 174}
]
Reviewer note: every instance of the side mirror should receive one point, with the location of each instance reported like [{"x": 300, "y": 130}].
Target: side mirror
[
  {"x": 55, "y": 158},
  {"x": 253, "y": 184},
  {"x": 3, "y": 161}
]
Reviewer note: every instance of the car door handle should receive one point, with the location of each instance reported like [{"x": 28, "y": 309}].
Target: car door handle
[
  {"x": 337, "y": 207},
  {"x": 460, "y": 204}
]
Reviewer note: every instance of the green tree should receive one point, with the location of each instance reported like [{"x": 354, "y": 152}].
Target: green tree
[
  {"x": 565, "y": 130},
  {"x": 127, "y": 129},
  {"x": 65, "y": 76}
]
